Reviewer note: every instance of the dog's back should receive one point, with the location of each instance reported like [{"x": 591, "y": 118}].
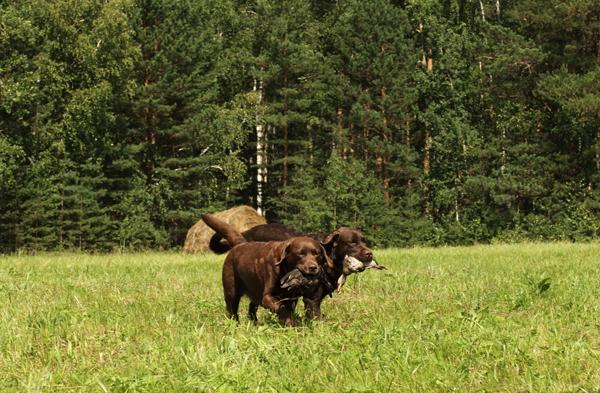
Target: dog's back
[
  {"x": 268, "y": 232},
  {"x": 259, "y": 233}
]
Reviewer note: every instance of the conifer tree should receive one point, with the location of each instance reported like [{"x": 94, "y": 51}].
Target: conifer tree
[
  {"x": 287, "y": 49},
  {"x": 369, "y": 47},
  {"x": 430, "y": 122},
  {"x": 189, "y": 128}
]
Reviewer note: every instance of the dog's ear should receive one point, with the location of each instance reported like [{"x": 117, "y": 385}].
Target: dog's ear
[
  {"x": 325, "y": 256},
  {"x": 281, "y": 253},
  {"x": 329, "y": 241},
  {"x": 332, "y": 237}
]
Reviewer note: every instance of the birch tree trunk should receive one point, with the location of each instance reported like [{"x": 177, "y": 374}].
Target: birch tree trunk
[
  {"x": 261, "y": 150},
  {"x": 407, "y": 138},
  {"x": 456, "y": 204},
  {"x": 498, "y": 9},
  {"x": 427, "y": 146},
  {"x": 598, "y": 145},
  {"x": 381, "y": 158},
  {"x": 426, "y": 170},
  {"x": 285, "y": 133},
  {"x": 598, "y": 115},
  {"x": 482, "y": 10},
  {"x": 340, "y": 132}
]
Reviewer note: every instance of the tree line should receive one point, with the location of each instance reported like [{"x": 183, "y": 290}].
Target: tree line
[{"x": 421, "y": 122}]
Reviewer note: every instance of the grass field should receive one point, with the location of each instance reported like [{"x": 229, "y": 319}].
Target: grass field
[{"x": 513, "y": 318}]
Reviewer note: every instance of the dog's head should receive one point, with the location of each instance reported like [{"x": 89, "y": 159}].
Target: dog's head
[
  {"x": 305, "y": 254},
  {"x": 349, "y": 251}
]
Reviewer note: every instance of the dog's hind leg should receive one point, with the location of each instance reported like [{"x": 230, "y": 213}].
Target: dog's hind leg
[
  {"x": 252, "y": 309},
  {"x": 232, "y": 290},
  {"x": 232, "y": 302}
]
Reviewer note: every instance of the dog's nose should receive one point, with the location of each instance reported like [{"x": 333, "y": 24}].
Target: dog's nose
[
  {"x": 313, "y": 269},
  {"x": 369, "y": 254}
]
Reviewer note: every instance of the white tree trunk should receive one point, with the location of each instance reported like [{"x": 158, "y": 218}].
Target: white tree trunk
[
  {"x": 261, "y": 150},
  {"x": 598, "y": 149},
  {"x": 503, "y": 164},
  {"x": 482, "y": 10},
  {"x": 498, "y": 9}
]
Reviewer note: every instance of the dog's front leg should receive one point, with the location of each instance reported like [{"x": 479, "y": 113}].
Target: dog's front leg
[
  {"x": 283, "y": 312},
  {"x": 285, "y": 317},
  {"x": 312, "y": 307},
  {"x": 271, "y": 303}
]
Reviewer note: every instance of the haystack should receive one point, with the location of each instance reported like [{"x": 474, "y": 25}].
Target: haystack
[{"x": 240, "y": 217}]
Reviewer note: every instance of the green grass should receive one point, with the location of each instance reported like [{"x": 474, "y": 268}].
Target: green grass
[{"x": 489, "y": 318}]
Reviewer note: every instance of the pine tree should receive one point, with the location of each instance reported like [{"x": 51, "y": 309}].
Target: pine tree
[
  {"x": 303, "y": 205},
  {"x": 570, "y": 117},
  {"x": 289, "y": 64},
  {"x": 189, "y": 126},
  {"x": 354, "y": 197},
  {"x": 11, "y": 159},
  {"x": 369, "y": 49}
]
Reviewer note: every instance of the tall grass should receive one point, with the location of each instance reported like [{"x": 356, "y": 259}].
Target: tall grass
[{"x": 487, "y": 318}]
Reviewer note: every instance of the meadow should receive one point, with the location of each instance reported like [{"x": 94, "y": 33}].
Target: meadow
[{"x": 497, "y": 318}]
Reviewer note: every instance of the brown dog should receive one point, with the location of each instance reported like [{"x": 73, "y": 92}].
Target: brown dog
[
  {"x": 255, "y": 269},
  {"x": 349, "y": 252},
  {"x": 259, "y": 233},
  {"x": 346, "y": 247}
]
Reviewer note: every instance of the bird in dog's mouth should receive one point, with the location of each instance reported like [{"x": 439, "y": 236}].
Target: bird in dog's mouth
[{"x": 353, "y": 265}]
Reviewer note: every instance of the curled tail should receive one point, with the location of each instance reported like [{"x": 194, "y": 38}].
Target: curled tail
[
  {"x": 217, "y": 246},
  {"x": 222, "y": 228}
]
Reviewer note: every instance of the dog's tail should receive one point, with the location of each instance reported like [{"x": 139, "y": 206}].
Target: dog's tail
[
  {"x": 222, "y": 228},
  {"x": 218, "y": 246}
]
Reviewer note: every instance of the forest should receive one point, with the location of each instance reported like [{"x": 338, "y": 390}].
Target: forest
[{"x": 431, "y": 122}]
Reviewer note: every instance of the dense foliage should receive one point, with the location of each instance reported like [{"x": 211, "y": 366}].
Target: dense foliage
[{"x": 421, "y": 122}]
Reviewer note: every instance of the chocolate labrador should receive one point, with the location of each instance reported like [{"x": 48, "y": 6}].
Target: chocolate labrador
[
  {"x": 260, "y": 233},
  {"x": 350, "y": 254},
  {"x": 254, "y": 269},
  {"x": 346, "y": 247}
]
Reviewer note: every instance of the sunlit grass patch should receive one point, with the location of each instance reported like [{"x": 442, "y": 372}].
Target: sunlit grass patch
[{"x": 485, "y": 318}]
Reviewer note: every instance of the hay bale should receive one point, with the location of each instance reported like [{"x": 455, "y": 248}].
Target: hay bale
[{"x": 240, "y": 217}]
